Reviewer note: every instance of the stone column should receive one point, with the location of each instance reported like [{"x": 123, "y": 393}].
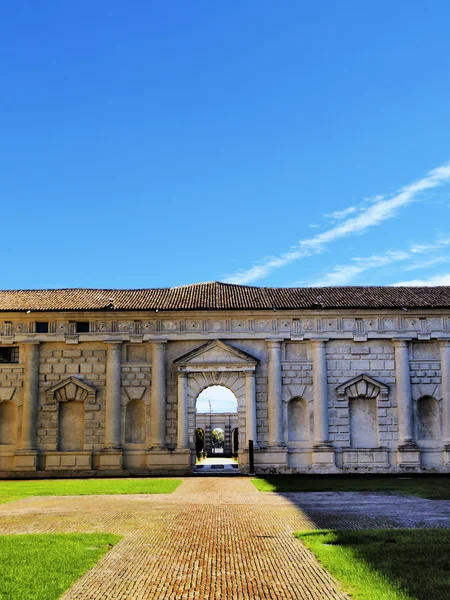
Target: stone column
[
  {"x": 250, "y": 413},
  {"x": 227, "y": 437},
  {"x": 408, "y": 454},
  {"x": 158, "y": 409},
  {"x": 445, "y": 374},
  {"x": 404, "y": 400},
  {"x": 208, "y": 435},
  {"x": 323, "y": 452},
  {"x": 30, "y": 396},
  {"x": 183, "y": 419},
  {"x": 275, "y": 394},
  {"x": 320, "y": 393},
  {"x": 112, "y": 416}
]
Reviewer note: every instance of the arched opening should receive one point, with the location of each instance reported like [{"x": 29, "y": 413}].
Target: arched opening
[
  {"x": 71, "y": 426},
  {"x": 199, "y": 443},
  {"x": 216, "y": 399},
  {"x": 217, "y": 417},
  {"x": 235, "y": 442},
  {"x": 135, "y": 422},
  {"x": 8, "y": 423},
  {"x": 298, "y": 420},
  {"x": 218, "y": 440},
  {"x": 428, "y": 422}
]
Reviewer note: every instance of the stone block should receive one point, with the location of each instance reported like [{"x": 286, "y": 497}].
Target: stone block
[
  {"x": 25, "y": 461},
  {"x": 71, "y": 353}
]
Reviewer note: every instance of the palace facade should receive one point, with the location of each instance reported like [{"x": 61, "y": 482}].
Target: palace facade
[{"x": 352, "y": 379}]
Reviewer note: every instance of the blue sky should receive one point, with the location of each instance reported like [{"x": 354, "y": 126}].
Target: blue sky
[{"x": 154, "y": 144}]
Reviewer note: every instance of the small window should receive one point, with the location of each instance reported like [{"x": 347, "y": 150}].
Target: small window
[
  {"x": 41, "y": 327},
  {"x": 10, "y": 354},
  {"x": 82, "y": 326}
]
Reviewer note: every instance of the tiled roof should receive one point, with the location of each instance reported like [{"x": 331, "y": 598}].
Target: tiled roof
[{"x": 217, "y": 296}]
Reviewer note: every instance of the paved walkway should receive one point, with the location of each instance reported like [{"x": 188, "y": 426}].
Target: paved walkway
[{"x": 212, "y": 538}]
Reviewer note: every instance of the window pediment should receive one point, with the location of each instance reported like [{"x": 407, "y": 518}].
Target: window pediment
[
  {"x": 70, "y": 388},
  {"x": 215, "y": 355},
  {"x": 362, "y": 386}
]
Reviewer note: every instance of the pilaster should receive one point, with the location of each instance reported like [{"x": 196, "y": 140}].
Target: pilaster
[
  {"x": 275, "y": 399},
  {"x": 158, "y": 407},
  {"x": 111, "y": 454},
  {"x": 323, "y": 451},
  {"x": 250, "y": 400},
  {"x": 408, "y": 455},
  {"x": 26, "y": 455},
  {"x": 444, "y": 346}
]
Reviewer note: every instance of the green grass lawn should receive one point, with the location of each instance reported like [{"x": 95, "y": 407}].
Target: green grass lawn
[
  {"x": 435, "y": 487},
  {"x": 407, "y": 564},
  {"x": 42, "y": 567},
  {"x": 14, "y": 490}
]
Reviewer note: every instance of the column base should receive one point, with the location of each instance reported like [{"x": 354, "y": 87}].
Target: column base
[
  {"x": 110, "y": 459},
  {"x": 159, "y": 457},
  {"x": 66, "y": 461},
  {"x": 25, "y": 460},
  {"x": 323, "y": 457},
  {"x": 271, "y": 458},
  {"x": 446, "y": 453},
  {"x": 408, "y": 455}
]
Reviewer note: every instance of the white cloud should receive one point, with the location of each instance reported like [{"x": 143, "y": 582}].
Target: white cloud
[
  {"x": 443, "y": 279},
  {"x": 424, "y": 264},
  {"x": 341, "y": 214},
  {"x": 378, "y": 211},
  {"x": 344, "y": 274}
]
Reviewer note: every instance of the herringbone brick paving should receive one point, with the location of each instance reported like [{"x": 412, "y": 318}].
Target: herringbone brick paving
[{"x": 212, "y": 538}]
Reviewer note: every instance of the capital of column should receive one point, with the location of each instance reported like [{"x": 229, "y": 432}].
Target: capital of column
[
  {"x": 159, "y": 344},
  {"x": 319, "y": 342},
  {"x": 271, "y": 343},
  {"x": 401, "y": 342},
  {"x": 30, "y": 342}
]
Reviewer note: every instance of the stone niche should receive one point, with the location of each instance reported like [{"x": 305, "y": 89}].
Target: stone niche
[
  {"x": 428, "y": 422},
  {"x": 362, "y": 393},
  {"x": 298, "y": 420},
  {"x": 70, "y": 396}
]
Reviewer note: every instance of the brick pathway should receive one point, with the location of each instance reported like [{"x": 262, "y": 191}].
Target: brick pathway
[{"x": 212, "y": 538}]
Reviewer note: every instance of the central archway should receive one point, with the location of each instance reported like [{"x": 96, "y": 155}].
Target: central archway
[
  {"x": 217, "y": 410},
  {"x": 217, "y": 363}
]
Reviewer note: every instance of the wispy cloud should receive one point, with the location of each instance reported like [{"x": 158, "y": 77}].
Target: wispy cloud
[
  {"x": 443, "y": 279},
  {"x": 337, "y": 215},
  {"x": 380, "y": 209},
  {"x": 345, "y": 274},
  {"x": 425, "y": 264}
]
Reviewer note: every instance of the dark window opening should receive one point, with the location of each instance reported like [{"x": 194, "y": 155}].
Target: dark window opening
[
  {"x": 82, "y": 326},
  {"x": 10, "y": 354},
  {"x": 41, "y": 327}
]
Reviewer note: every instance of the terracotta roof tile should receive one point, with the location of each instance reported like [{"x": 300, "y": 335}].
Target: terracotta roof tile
[{"x": 217, "y": 296}]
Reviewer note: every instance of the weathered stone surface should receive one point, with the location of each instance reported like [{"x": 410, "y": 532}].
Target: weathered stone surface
[{"x": 223, "y": 349}]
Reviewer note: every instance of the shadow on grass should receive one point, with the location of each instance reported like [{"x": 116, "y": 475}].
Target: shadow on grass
[
  {"x": 408, "y": 564},
  {"x": 433, "y": 487}
]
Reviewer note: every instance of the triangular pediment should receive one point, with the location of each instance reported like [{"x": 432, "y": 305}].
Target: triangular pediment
[
  {"x": 71, "y": 388},
  {"x": 362, "y": 386},
  {"x": 216, "y": 352}
]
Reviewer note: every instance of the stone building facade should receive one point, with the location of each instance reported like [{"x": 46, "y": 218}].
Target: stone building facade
[{"x": 326, "y": 380}]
